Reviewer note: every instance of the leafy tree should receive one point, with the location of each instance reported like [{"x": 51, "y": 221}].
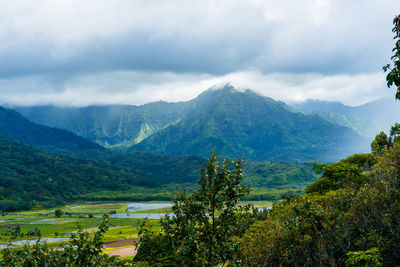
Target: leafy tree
[
  {"x": 369, "y": 258},
  {"x": 393, "y": 76},
  {"x": 205, "y": 222},
  {"x": 335, "y": 176},
  {"x": 363, "y": 160},
  {"x": 58, "y": 213},
  {"x": 395, "y": 132},
  {"x": 380, "y": 142}
]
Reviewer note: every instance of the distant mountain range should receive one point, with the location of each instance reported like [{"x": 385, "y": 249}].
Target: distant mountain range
[
  {"x": 226, "y": 120},
  {"x": 367, "y": 120}
]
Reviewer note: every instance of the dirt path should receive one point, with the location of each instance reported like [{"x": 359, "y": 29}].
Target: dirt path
[
  {"x": 11, "y": 225},
  {"x": 122, "y": 248},
  {"x": 123, "y": 252}
]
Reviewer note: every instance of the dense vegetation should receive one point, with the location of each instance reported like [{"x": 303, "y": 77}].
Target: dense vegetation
[
  {"x": 30, "y": 177},
  {"x": 352, "y": 211},
  {"x": 350, "y": 216}
]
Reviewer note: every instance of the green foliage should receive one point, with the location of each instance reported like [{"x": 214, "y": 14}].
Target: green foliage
[
  {"x": 336, "y": 175},
  {"x": 381, "y": 141},
  {"x": 275, "y": 174},
  {"x": 395, "y": 132},
  {"x": 369, "y": 258},
  {"x": 358, "y": 210},
  {"x": 85, "y": 249},
  {"x": 29, "y": 176},
  {"x": 363, "y": 160},
  {"x": 393, "y": 76},
  {"x": 202, "y": 229},
  {"x": 58, "y": 213}
]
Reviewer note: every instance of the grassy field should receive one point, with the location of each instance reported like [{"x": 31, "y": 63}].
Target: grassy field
[
  {"x": 88, "y": 216},
  {"x": 120, "y": 228},
  {"x": 78, "y": 213}
]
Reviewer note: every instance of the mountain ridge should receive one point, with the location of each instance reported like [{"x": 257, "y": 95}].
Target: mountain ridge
[{"x": 227, "y": 120}]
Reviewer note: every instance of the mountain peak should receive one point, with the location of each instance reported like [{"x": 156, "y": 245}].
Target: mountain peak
[{"x": 225, "y": 87}]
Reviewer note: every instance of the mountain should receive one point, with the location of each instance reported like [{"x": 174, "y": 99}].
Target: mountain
[
  {"x": 13, "y": 125},
  {"x": 114, "y": 126},
  {"x": 233, "y": 122},
  {"x": 226, "y": 120},
  {"x": 367, "y": 119}
]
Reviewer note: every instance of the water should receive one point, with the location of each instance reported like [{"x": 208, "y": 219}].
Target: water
[
  {"x": 146, "y": 206},
  {"x": 138, "y": 215},
  {"x": 42, "y": 240},
  {"x": 16, "y": 219}
]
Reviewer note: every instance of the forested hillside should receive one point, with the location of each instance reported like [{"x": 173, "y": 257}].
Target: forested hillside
[{"x": 28, "y": 175}]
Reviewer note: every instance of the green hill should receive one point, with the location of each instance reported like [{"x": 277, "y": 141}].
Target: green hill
[
  {"x": 28, "y": 175},
  {"x": 13, "y": 125}
]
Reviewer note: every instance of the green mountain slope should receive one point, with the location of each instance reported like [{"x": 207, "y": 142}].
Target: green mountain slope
[
  {"x": 259, "y": 128},
  {"x": 13, "y": 125},
  {"x": 116, "y": 126}
]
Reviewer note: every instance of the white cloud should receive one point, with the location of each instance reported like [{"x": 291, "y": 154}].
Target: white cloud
[
  {"x": 325, "y": 36},
  {"x": 74, "y": 52},
  {"x": 131, "y": 87}
]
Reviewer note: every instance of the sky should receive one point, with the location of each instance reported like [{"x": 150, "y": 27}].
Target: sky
[{"x": 77, "y": 53}]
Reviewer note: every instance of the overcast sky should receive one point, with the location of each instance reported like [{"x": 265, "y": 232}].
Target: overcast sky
[{"x": 71, "y": 52}]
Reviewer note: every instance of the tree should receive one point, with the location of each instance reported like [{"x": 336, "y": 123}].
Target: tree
[
  {"x": 335, "y": 176},
  {"x": 393, "y": 76},
  {"x": 202, "y": 229},
  {"x": 395, "y": 132},
  {"x": 58, "y": 213},
  {"x": 380, "y": 142}
]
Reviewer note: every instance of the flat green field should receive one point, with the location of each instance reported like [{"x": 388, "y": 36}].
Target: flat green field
[{"x": 86, "y": 214}]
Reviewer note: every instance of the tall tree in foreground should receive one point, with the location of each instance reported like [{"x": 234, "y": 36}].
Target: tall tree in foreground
[
  {"x": 201, "y": 232},
  {"x": 393, "y": 76}
]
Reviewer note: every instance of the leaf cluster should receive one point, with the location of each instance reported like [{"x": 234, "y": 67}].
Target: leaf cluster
[
  {"x": 393, "y": 76},
  {"x": 204, "y": 224}
]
